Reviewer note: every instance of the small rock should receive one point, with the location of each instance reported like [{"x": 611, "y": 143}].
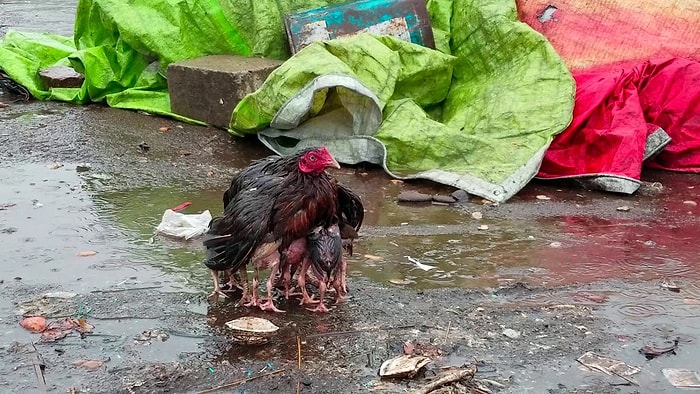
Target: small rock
[
  {"x": 691, "y": 203},
  {"x": 414, "y": 196},
  {"x": 163, "y": 129},
  {"x": 623, "y": 208},
  {"x": 510, "y": 333},
  {"x": 55, "y": 165},
  {"x": 460, "y": 195},
  {"x": 444, "y": 199},
  {"x": 83, "y": 167},
  {"x": 61, "y": 77},
  {"x": 483, "y": 227},
  {"x": 144, "y": 147},
  {"x": 477, "y": 215},
  {"x": 543, "y": 197}
]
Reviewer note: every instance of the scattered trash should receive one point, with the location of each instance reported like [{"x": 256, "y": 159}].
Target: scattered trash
[
  {"x": 59, "y": 329},
  {"x": 145, "y": 337},
  {"x": 6, "y": 206},
  {"x": 144, "y": 147},
  {"x": 510, "y": 333},
  {"x": 691, "y": 203},
  {"x": 90, "y": 365},
  {"x": 542, "y": 197},
  {"x": 608, "y": 366},
  {"x": 405, "y": 366},
  {"x": 252, "y": 330},
  {"x": 180, "y": 207},
  {"x": 418, "y": 264},
  {"x": 684, "y": 378},
  {"x": 624, "y": 208},
  {"x": 414, "y": 196},
  {"x": 455, "y": 377},
  {"x": 477, "y": 215},
  {"x": 483, "y": 227},
  {"x": 35, "y": 324},
  {"x": 182, "y": 225},
  {"x": 55, "y": 165},
  {"x": 86, "y": 253},
  {"x": 671, "y": 286},
  {"x": 651, "y": 352}
]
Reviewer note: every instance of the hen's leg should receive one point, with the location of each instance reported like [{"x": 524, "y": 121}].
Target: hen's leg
[
  {"x": 269, "y": 304},
  {"x": 338, "y": 280},
  {"x": 214, "y": 296},
  {"x": 322, "y": 293}
]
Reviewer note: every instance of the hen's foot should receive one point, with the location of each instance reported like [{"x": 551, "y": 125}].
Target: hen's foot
[
  {"x": 269, "y": 306},
  {"x": 321, "y": 308}
]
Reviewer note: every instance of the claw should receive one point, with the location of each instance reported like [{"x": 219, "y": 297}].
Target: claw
[
  {"x": 269, "y": 305},
  {"x": 321, "y": 308}
]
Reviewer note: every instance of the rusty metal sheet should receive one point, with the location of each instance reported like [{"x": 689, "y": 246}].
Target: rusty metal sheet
[{"x": 404, "y": 19}]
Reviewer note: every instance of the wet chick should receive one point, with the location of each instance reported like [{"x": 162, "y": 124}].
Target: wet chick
[{"x": 325, "y": 262}]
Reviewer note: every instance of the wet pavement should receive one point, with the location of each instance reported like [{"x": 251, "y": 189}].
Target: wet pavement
[{"x": 571, "y": 270}]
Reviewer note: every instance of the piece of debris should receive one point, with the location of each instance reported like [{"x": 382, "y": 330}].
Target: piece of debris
[
  {"x": 608, "y": 366},
  {"x": 624, "y": 208},
  {"x": 145, "y": 337},
  {"x": 163, "y": 129},
  {"x": 180, "y": 225},
  {"x": 37, "y": 204},
  {"x": 251, "y": 330},
  {"x": 414, "y": 196},
  {"x": 86, "y": 253},
  {"x": 399, "y": 281},
  {"x": 396, "y": 181},
  {"x": 670, "y": 286},
  {"x": 477, "y": 215},
  {"x": 35, "y": 324},
  {"x": 451, "y": 377},
  {"x": 424, "y": 267},
  {"x": 180, "y": 207},
  {"x": 510, "y": 333},
  {"x": 55, "y": 165},
  {"x": 555, "y": 244},
  {"x": 90, "y": 365},
  {"x": 59, "y": 329},
  {"x": 373, "y": 257},
  {"x": 684, "y": 378},
  {"x": 6, "y": 206},
  {"x": 691, "y": 203},
  {"x": 542, "y": 197},
  {"x": 483, "y": 227},
  {"x": 651, "y": 352},
  {"x": 405, "y": 366},
  {"x": 144, "y": 147}
]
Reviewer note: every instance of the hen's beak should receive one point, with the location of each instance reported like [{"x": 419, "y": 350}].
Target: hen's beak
[{"x": 334, "y": 163}]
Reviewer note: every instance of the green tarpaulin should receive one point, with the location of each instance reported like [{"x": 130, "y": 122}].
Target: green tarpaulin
[{"x": 478, "y": 113}]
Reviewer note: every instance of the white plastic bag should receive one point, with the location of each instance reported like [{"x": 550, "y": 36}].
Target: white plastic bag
[{"x": 182, "y": 225}]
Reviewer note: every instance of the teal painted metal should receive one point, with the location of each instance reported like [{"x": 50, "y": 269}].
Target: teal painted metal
[{"x": 404, "y": 19}]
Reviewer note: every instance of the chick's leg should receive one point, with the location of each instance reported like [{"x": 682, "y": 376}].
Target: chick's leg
[
  {"x": 321, "y": 307},
  {"x": 301, "y": 280}
]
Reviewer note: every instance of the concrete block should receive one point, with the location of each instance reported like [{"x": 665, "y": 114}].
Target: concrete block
[
  {"x": 209, "y": 88},
  {"x": 61, "y": 77}
]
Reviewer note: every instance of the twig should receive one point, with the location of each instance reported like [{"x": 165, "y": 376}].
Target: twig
[
  {"x": 239, "y": 382},
  {"x": 129, "y": 289},
  {"x": 39, "y": 370},
  {"x": 334, "y": 333},
  {"x": 493, "y": 383},
  {"x": 467, "y": 373},
  {"x": 299, "y": 351},
  {"x": 447, "y": 333}
]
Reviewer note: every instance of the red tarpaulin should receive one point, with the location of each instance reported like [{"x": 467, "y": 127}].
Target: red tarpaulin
[{"x": 620, "y": 114}]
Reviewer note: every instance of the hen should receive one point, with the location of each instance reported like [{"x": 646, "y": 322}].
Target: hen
[{"x": 268, "y": 206}]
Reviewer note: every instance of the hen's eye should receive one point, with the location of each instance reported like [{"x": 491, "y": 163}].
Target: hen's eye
[{"x": 312, "y": 157}]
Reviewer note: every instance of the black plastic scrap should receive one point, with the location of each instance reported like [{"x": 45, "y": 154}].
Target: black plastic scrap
[{"x": 651, "y": 352}]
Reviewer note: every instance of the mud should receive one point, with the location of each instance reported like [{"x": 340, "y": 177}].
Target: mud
[{"x": 571, "y": 273}]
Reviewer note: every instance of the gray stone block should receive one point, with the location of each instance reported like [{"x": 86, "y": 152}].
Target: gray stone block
[
  {"x": 209, "y": 88},
  {"x": 60, "y": 77}
]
